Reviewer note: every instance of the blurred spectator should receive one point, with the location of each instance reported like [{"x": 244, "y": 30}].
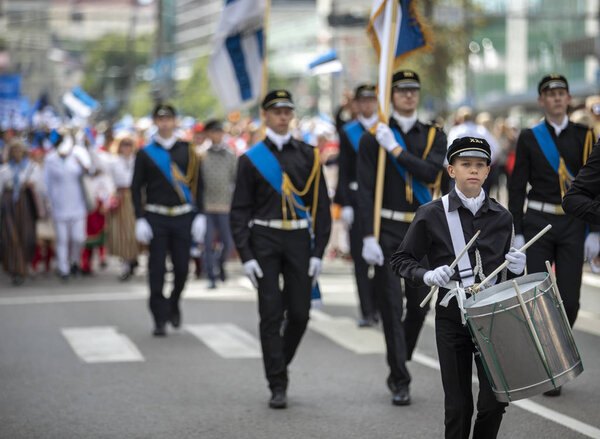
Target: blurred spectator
[{"x": 20, "y": 182}]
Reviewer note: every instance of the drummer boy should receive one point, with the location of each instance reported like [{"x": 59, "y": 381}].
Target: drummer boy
[{"x": 439, "y": 232}]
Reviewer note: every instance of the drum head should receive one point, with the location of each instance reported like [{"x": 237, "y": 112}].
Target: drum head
[{"x": 505, "y": 290}]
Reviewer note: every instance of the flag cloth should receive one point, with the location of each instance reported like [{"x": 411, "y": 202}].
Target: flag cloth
[
  {"x": 236, "y": 64},
  {"x": 79, "y": 103},
  {"x": 326, "y": 63},
  {"x": 410, "y": 36}
]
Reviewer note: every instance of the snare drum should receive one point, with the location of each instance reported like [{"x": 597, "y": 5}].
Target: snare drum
[{"x": 514, "y": 365}]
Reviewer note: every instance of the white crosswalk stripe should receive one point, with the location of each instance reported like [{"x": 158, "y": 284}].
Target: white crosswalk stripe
[
  {"x": 227, "y": 340},
  {"x": 101, "y": 344}
]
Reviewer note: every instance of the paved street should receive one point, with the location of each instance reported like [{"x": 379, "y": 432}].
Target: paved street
[{"x": 77, "y": 360}]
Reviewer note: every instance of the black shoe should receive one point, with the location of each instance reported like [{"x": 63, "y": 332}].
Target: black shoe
[
  {"x": 402, "y": 396},
  {"x": 18, "y": 280},
  {"x": 222, "y": 274},
  {"x": 175, "y": 319},
  {"x": 64, "y": 278},
  {"x": 75, "y": 270},
  {"x": 366, "y": 323},
  {"x": 553, "y": 392},
  {"x": 160, "y": 330},
  {"x": 278, "y": 399},
  {"x": 125, "y": 276},
  {"x": 212, "y": 285},
  {"x": 103, "y": 265},
  {"x": 391, "y": 384}
]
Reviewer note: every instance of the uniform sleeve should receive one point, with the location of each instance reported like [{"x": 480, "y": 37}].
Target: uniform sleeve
[
  {"x": 581, "y": 200},
  {"x": 242, "y": 207},
  {"x": 322, "y": 227},
  {"x": 138, "y": 183},
  {"x": 341, "y": 193},
  {"x": 414, "y": 247},
  {"x": 426, "y": 170},
  {"x": 518, "y": 182},
  {"x": 366, "y": 170}
]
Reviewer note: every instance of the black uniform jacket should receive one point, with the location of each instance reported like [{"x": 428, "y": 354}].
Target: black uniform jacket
[
  {"x": 255, "y": 198},
  {"x": 581, "y": 200},
  {"x": 158, "y": 188},
  {"x": 531, "y": 166},
  {"x": 429, "y": 235},
  {"x": 410, "y": 159},
  {"x": 345, "y": 196}
]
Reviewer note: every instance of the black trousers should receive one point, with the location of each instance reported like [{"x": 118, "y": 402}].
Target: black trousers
[
  {"x": 400, "y": 334},
  {"x": 366, "y": 292},
  {"x": 455, "y": 350},
  {"x": 563, "y": 245},
  {"x": 286, "y": 253},
  {"x": 172, "y": 234}
]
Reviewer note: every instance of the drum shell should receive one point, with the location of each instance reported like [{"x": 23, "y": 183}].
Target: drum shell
[{"x": 500, "y": 330}]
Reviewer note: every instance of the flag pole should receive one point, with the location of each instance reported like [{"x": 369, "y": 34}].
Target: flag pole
[
  {"x": 386, "y": 115},
  {"x": 265, "y": 66}
]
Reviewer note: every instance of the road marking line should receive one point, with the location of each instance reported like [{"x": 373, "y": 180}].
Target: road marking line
[
  {"x": 72, "y": 298},
  {"x": 101, "y": 344},
  {"x": 227, "y": 340}
]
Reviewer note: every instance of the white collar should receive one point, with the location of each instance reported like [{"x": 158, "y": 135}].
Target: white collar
[
  {"x": 278, "y": 139},
  {"x": 406, "y": 123},
  {"x": 473, "y": 204},
  {"x": 165, "y": 143},
  {"x": 559, "y": 128},
  {"x": 368, "y": 122}
]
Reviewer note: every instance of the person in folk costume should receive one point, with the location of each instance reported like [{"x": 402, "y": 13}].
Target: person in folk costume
[
  {"x": 121, "y": 239},
  {"x": 280, "y": 200},
  {"x": 63, "y": 169},
  {"x": 44, "y": 230},
  {"x": 439, "y": 230},
  {"x": 20, "y": 185},
  {"x": 101, "y": 189},
  {"x": 346, "y": 195},
  {"x": 169, "y": 171},
  {"x": 219, "y": 171},
  {"x": 548, "y": 156},
  {"x": 414, "y": 158}
]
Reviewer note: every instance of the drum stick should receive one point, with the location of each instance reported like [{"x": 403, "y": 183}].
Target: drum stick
[
  {"x": 434, "y": 288},
  {"x": 522, "y": 249},
  {"x": 530, "y": 323}
]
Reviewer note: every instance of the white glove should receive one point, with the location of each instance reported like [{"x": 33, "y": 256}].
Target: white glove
[
  {"x": 517, "y": 260},
  {"x": 385, "y": 137},
  {"x": 347, "y": 215},
  {"x": 438, "y": 277},
  {"x": 591, "y": 246},
  {"x": 253, "y": 271},
  {"x": 199, "y": 228},
  {"x": 143, "y": 231},
  {"x": 371, "y": 251},
  {"x": 519, "y": 241},
  {"x": 314, "y": 269}
]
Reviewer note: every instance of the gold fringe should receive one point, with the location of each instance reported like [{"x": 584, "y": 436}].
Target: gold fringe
[{"x": 190, "y": 179}]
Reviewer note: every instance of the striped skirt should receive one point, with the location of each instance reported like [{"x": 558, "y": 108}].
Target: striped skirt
[
  {"x": 17, "y": 232},
  {"x": 120, "y": 233}
]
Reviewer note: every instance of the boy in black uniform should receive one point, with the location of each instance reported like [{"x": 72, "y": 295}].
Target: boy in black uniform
[
  {"x": 548, "y": 157},
  {"x": 581, "y": 200},
  {"x": 280, "y": 199},
  {"x": 345, "y": 195},
  {"x": 429, "y": 235},
  {"x": 415, "y": 154},
  {"x": 169, "y": 172}
]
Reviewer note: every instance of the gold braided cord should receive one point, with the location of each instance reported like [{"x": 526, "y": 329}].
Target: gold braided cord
[
  {"x": 435, "y": 187},
  {"x": 587, "y": 147},
  {"x": 565, "y": 179},
  {"x": 190, "y": 179},
  {"x": 288, "y": 190}
]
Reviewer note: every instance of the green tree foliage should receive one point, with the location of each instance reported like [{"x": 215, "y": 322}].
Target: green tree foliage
[{"x": 195, "y": 95}]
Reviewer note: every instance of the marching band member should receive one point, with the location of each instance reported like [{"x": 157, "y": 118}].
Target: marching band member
[
  {"x": 548, "y": 157},
  {"x": 415, "y": 154},
  {"x": 346, "y": 195},
  {"x": 437, "y": 230},
  {"x": 581, "y": 200},
  {"x": 280, "y": 199},
  {"x": 169, "y": 171}
]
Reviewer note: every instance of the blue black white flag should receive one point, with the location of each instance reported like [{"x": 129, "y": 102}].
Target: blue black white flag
[
  {"x": 80, "y": 103},
  {"x": 236, "y": 64}
]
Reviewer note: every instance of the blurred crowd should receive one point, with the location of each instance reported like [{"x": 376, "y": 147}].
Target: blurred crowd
[{"x": 66, "y": 210}]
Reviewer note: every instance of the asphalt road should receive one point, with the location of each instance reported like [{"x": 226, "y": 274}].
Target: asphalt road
[{"x": 77, "y": 360}]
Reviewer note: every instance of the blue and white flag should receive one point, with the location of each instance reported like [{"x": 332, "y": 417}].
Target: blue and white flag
[
  {"x": 410, "y": 36},
  {"x": 326, "y": 63},
  {"x": 80, "y": 103},
  {"x": 236, "y": 64}
]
